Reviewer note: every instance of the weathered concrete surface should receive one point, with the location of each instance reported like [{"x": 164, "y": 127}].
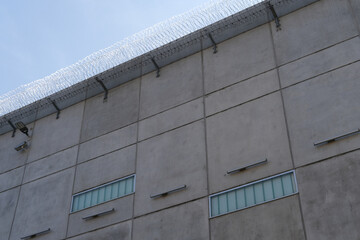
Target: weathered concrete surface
[
  {"x": 105, "y": 169},
  {"x": 242, "y": 92},
  {"x": 8, "y": 201},
  {"x": 107, "y": 143},
  {"x": 171, "y": 119},
  {"x": 52, "y": 135},
  {"x": 329, "y": 193},
  {"x": 44, "y": 204},
  {"x": 51, "y": 164},
  {"x": 9, "y": 157},
  {"x": 123, "y": 211},
  {"x": 239, "y": 58},
  {"x": 313, "y": 28},
  {"x": 188, "y": 221},
  {"x": 280, "y": 219},
  {"x": 169, "y": 161},
  {"x": 178, "y": 83},
  {"x": 322, "y": 108},
  {"x": 355, "y": 5},
  {"x": 120, "y": 231},
  {"x": 120, "y": 109},
  {"x": 245, "y": 135},
  {"x": 11, "y": 179},
  {"x": 320, "y": 62}
]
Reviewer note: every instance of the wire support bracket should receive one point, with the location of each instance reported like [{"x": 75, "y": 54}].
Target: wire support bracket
[
  {"x": 333, "y": 139},
  {"x": 104, "y": 87},
  {"x": 213, "y": 42},
  {"x": 276, "y": 17},
  {"x": 246, "y": 167},
  {"x": 169, "y": 192},
  {"x": 56, "y": 107},
  {"x": 99, "y": 214},
  {"x": 156, "y": 66},
  {"x": 36, "y": 234},
  {"x": 13, "y": 127}
]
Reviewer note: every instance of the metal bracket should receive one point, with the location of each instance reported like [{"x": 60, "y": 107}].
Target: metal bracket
[
  {"x": 157, "y": 67},
  {"x": 98, "y": 214},
  {"x": 168, "y": 192},
  {"x": 213, "y": 42},
  {"x": 323, "y": 142},
  {"x": 22, "y": 146},
  {"x": 36, "y": 234},
  {"x": 104, "y": 87},
  {"x": 56, "y": 107},
  {"x": 246, "y": 167},
  {"x": 276, "y": 17},
  {"x": 13, "y": 127}
]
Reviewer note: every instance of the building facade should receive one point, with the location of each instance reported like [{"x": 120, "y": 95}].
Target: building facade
[{"x": 256, "y": 141}]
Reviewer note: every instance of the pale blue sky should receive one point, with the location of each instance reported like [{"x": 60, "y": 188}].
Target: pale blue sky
[{"x": 38, "y": 37}]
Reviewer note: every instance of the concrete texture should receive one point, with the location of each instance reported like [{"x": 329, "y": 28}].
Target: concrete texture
[
  {"x": 8, "y": 201},
  {"x": 280, "y": 219},
  {"x": 120, "y": 109},
  {"x": 355, "y": 5},
  {"x": 44, "y": 204},
  {"x": 119, "y": 231},
  {"x": 329, "y": 193},
  {"x": 123, "y": 211},
  {"x": 52, "y": 135},
  {"x": 171, "y": 119},
  {"x": 239, "y": 58},
  {"x": 105, "y": 169},
  {"x": 51, "y": 164},
  {"x": 9, "y": 157},
  {"x": 242, "y": 92},
  {"x": 188, "y": 221},
  {"x": 246, "y": 135},
  {"x": 169, "y": 161},
  {"x": 11, "y": 179},
  {"x": 107, "y": 143},
  {"x": 320, "y": 62},
  {"x": 178, "y": 83},
  {"x": 322, "y": 108},
  {"x": 313, "y": 28}
]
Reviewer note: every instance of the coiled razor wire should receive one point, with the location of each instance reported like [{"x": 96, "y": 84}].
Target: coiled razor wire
[{"x": 129, "y": 48}]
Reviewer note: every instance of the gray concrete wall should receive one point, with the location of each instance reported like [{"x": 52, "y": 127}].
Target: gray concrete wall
[{"x": 265, "y": 94}]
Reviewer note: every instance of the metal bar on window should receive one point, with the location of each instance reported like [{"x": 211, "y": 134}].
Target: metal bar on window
[
  {"x": 36, "y": 234},
  {"x": 168, "y": 192},
  {"x": 333, "y": 139},
  {"x": 246, "y": 167},
  {"x": 99, "y": 214}
]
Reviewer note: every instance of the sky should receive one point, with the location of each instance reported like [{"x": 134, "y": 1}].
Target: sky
[{"x": 39, "y": 37}]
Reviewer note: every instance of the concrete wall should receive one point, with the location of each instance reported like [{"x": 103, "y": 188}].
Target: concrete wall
[{"x": 265, "y": 94}]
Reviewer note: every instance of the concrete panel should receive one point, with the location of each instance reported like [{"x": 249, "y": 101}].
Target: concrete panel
[
  {"x": 120, "y": 109},
  {"x": 329, "y": 193},
  {"x": 321, "y": 62},
  {"x": 280, "y": 219},
  {"x": 44, "y": 204},
  {"x": 105, "y": 169},
  {"x": 171, "y": 119},
  {"x": 355, "y": 5},
  {"x": 178, "y": 83},
  {"x": 242, "y": 92},
  {"x": 52, "y": 135},
  {"x": 120, "y": 231},
  {"x": 123, "y": 211},
  {"x": 322, "y": 108},
  {"x": 239, "y": 58},
  {"x": 11, "y": 179},
  {"x": 9, "y": 157},
  {"x": 169, "y": 161},
  {"x": 313, "y": 28},
  {"x": 107, "y": 143},
  {"x": 246, "y": 135},
  {"x": 51, "y": 164},
  {"x": 188, "y": 221},
  {"x": 8, "y": 201}
]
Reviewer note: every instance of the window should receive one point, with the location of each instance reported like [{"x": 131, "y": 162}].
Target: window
[
  {"x": 103, "y": 193},
  {"x": 253, "y": 193}
]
